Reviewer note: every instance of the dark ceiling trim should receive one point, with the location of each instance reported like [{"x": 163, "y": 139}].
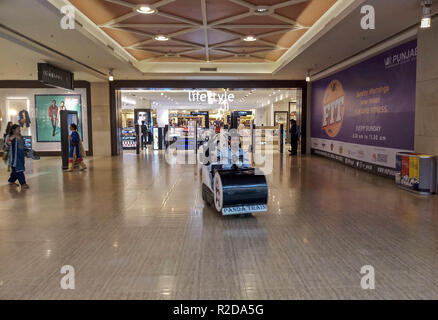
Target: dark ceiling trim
[
  {"x": 208, "y": 84},
  {"x": 35, "y": 84}
]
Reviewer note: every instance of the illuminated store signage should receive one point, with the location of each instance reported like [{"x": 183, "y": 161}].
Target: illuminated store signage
[{"x": 211, "y": 97}]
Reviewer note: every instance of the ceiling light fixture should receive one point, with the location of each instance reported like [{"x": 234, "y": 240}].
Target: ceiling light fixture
[
  {"x": 426, "y": 17},
  {"x": 161, "y": 37},
  {"x": 308, "y": 76},
  {"x": 145, "y": 9},
  {"x": 261, "y": 10},
  {"x": 249, "y": 38},
  {"x": 111, "y": 75}
]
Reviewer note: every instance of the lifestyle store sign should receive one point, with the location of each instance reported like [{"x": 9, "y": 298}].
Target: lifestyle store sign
[{"x": 211, "y": 97}]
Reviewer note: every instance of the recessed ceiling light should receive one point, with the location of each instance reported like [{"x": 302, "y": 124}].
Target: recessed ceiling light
[
  {"x": 249, "y": 38},
  {"x": 261, "y": 10},
  {"x": 161, "y": 37},
  {"x": 144, "y": 9}
]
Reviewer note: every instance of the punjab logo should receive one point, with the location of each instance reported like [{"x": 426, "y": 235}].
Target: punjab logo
[{"x": 333, "y": 108}]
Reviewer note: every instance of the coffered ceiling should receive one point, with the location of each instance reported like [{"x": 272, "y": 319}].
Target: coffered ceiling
[{"x": 205, "y": 30}]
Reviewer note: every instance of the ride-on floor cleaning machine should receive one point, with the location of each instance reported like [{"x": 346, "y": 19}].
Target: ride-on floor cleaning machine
[{"x": 230, "y": 184}]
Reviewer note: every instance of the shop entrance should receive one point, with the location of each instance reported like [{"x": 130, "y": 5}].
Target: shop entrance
[{"x": 175, "y": 111}]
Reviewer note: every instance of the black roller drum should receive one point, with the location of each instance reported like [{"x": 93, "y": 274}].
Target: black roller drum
[{"x": 240, "y": 187}]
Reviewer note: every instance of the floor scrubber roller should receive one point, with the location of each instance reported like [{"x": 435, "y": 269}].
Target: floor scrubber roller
[{"x": 232, "y": 186}]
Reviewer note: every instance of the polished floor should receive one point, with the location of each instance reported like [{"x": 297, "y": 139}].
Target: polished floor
[{"x": 136, "y": 228}]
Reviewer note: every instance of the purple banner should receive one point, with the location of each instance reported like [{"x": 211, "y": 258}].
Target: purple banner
[{"x": 371, "y": 103}]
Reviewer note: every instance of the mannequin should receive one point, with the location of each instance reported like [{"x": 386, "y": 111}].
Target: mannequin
[{"x": 23, "y": 118}]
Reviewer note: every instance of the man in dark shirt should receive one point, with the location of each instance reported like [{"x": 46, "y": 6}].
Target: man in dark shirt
[
  {"x": 144, "y": 134},
  {"x": 294, "y": 137}
]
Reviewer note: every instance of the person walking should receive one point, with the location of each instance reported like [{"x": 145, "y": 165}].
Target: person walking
[
  {"x": 144, "y": 135},
  {"x": 6, "y": 144},
  {"x": 16, "y": 157},
  {"x": 294, "y": 137},
  {"x": 76, "y": 149},
  {"x": 8, "y": 129}
]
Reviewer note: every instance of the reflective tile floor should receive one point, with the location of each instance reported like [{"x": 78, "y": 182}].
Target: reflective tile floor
[{"x": 136, "y": 228}]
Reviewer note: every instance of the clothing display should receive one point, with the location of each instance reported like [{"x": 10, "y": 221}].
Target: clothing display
[
  {"x": 23, "y": 118},
  {"x": 53, "y": 115}
]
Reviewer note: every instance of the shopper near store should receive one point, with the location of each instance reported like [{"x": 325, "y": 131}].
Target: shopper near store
[
  {"x": 8, "y": 129},
  {"x": 16, "y": 157},
  {"x": 76, "y": 149},
  {"x": 294, "y": 137},
  {"x": 53, "y": 115},
  {"x": 144, "y": 135},
  {"x": 7, "y": 144}
]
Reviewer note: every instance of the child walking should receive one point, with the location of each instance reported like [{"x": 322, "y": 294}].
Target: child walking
[
  {"x": 76, "y": 149},
  {"x": 17, "y": 149}
]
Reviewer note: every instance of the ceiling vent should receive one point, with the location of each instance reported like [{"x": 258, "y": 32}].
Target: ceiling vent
[{"x": 208, "y": 69}]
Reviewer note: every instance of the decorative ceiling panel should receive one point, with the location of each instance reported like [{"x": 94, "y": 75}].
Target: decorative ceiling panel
[{"x": 205, "y": 30}]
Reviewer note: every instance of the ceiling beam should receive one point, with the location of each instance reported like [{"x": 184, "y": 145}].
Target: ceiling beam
[
  {"x": 138, "y": 32},
  {"x": 162, "y": 3},
  {"x": 286, "y": 4},
  {"x": 256, "y": 26},
  {"x": 258, "y": 39},
  {"x": 230, "y": 19},
  {"x": 188, "y": 57},
  {"x": 222, "y": 58},
  {"x": 243, "y": 47},
  {"x": 287, "y": 20},
  {"x": 157, "y": 25},
  {"x": 205, "y": 27},
  {"x": 259, "y": 58},
  {"x": 120, "y": 19},
  {"x": 123, "y": 3},
  {"x": 243, "y": 3},
  {"x": 220, "y": 44},
  {"x": 177, "y": 18}
]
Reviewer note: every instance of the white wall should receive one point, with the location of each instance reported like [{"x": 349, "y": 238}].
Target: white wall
[
  {"x": 162, "y": 117},
  {"x": 261, "y": 116}
]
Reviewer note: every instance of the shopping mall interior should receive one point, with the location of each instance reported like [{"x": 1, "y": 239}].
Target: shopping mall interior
[{"x": 218, "y": 149}]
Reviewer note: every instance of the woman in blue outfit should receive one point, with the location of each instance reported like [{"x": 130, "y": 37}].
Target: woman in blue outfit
[
  {"x": 17, "y": 150},
  {"x": 76, "y": 149}
]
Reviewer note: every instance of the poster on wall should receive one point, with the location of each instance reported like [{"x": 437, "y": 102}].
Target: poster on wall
[
  {"x": 364, "y": 115},
  {"x": 47, "y": 108}
]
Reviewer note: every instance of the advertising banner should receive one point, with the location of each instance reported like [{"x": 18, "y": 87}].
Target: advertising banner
[
  {"x": 48, "y": 119},
  {"x": 367, "y": 113}
]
